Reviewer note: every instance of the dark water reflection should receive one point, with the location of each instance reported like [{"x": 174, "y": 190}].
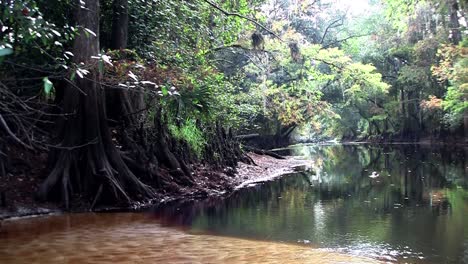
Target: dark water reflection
[{"x": 415, "y": 211}]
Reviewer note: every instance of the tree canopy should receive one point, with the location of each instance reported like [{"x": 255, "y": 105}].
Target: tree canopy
[{"x": 116, "y": 89}]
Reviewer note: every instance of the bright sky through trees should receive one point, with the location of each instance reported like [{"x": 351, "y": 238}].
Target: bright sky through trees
[{"x": 355, "y": 7}]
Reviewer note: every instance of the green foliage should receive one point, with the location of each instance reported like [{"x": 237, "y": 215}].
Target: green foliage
[
  {"x": 26, "y": 32},
  {"x": 363, "y": 82},
  {"x": 176, "y": 32},
  {"x": 399, "y": 11},
  {"x": 456, "y": 104},
  {"x": 453, "y": 68},
  {"x": 191, "y": 134},
  {"x": 348, "y": 75},
  {"x": 48, "y": 87}
]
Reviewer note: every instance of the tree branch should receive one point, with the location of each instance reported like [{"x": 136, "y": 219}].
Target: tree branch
[
  {"x": 227, "y": 13},
  {"x": 332, "y": 25},
  {"x": 344, "y": 39},
  {"x": 340, "y": 67},
  {"x": 227, "y": 47},
  {"x": 9, "y": 132}
]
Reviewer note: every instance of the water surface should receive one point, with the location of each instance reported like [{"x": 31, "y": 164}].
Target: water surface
[
  {"x": 355, "y": 204},
  {"x": 139, "y": 238},
  {"x": 398, "y": 203}
]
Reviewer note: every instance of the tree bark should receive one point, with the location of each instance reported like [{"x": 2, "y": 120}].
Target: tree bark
[
  {"x": 164, "y": 154},
  {"x": 454, "y": 22},
  {"x": 119, "y": 37},
  {"x": 87, "y": 157},
  {"x": 465, "y": 125},
  {"x": 129, "y": 101}
]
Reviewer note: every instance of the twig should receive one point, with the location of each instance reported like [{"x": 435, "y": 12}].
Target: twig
[
  {"x": 9, "y": 132},
  {"x": 330, "y": 63},
  {"x": 344, "y": 39},
  {"x": 98, "y": 194},
  {"x": 227, "y": 13},
  {"x": 92, "y": 142},
  {"x": 332, "y": 25}
]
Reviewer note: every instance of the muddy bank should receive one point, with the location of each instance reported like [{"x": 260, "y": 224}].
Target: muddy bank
[
  {"x": 267, "y": 168},
  {"x": 20, "y": 190}
]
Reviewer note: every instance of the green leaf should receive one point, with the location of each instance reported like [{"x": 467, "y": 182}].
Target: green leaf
[
  {"x": 48, "y": 86},
  {"x": 164, "y": 90},
  {"x": 5, "y": 51}
]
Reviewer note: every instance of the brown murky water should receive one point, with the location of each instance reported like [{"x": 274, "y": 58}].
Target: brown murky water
[{"x": 139, "y": 238}]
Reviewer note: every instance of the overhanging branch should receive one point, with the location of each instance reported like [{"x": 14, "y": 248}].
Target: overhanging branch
[
  {"x": 344, "y": 39},
  {"x": 331, "y": 25},
  {"x": 227, "y": 13}
]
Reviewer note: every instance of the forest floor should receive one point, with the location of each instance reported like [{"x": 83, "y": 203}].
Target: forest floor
[{"x": 20, "y": 189}]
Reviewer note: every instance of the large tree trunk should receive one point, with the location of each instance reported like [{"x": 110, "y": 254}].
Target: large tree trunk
[
  {"x": 129, "y": 102},
  {"x": 454, "y": 22},
  {"x": 132, "y": 102},
  {"x": 119, "y": 24},
  {"x": 87, "y": 161}
]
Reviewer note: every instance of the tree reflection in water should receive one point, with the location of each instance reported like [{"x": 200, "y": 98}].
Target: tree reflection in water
[{"x": 415, "y": 210}]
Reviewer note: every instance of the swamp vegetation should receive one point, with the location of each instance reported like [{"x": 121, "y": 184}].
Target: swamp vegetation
[
  {"x": 112, "y": 101},
  {"x": 127, "y": 103}
]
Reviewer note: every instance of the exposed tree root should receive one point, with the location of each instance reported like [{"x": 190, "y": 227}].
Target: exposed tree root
[
  {"x": 263, "y": 152},
  {"x": 83, "y": 169}
]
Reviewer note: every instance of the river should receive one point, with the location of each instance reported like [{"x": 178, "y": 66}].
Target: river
[{"x": 353, "y": 204}]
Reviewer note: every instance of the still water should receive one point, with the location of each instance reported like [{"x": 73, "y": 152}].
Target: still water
[
  {"x": 398, "y": 203},
  {"x": 354, "y": 204},
  {"x": 139, "y": 238}
]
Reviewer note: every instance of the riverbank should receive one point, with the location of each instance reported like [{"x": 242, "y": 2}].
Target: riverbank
[{"x": 20, "y": 201}]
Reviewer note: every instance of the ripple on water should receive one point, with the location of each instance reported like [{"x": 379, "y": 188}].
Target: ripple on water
[{"x": 136, "y": 238}]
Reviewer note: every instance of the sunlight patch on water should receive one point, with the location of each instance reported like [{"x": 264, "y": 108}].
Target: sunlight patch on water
[
  {"x": 319, "y": 220},
  {"x": 380, "y": 251}
]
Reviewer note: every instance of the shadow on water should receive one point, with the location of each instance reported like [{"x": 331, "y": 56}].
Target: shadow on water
[{"x": 395, "y": 203}]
